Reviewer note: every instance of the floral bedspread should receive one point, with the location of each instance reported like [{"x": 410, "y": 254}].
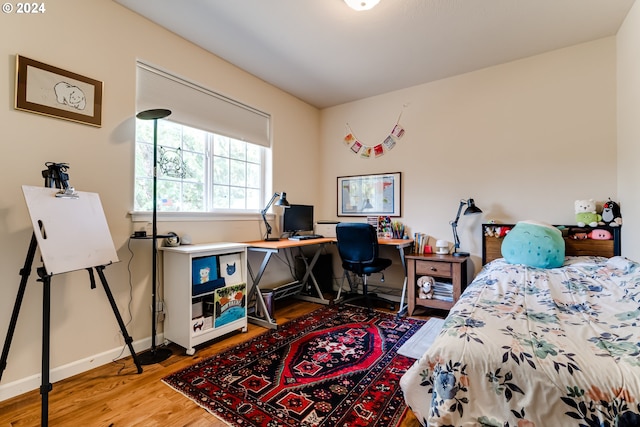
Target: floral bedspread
[{"x": 532, "y": 347}]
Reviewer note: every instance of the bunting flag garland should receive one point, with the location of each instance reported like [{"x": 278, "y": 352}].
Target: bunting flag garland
[{"x": 375, "y": 151}]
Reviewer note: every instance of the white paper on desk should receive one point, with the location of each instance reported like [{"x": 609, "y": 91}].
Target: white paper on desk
[{"x": 231, "y": 269}]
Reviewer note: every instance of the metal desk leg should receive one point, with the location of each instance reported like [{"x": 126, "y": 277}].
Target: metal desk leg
[
  {"x": 266, "y": 320},
  {"x": 402, "y": 310},
  {"x": 320, "y": 299}
]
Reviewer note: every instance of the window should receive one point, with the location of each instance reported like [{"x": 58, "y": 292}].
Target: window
[
  {"x": 204, "y": 162},
  {"x": 198, "y": 171}
]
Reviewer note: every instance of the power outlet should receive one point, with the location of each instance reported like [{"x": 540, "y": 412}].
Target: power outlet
[
  {"x": 159, "y": 307},
  {"x": 160, "y": 313}
]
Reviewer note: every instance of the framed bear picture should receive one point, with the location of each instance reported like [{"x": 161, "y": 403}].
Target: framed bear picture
[{"x": 52, "y": 91}]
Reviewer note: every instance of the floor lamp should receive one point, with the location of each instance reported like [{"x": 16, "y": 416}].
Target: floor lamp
[{"x": 154, "y": 354}]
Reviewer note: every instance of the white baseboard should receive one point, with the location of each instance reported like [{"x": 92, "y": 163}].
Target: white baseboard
[{"x": 33, "y": 382}]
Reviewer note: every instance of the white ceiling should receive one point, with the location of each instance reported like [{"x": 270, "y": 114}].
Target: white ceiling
[{"x": 327, "y": 54}]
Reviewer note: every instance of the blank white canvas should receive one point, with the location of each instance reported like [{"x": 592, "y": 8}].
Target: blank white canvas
[{"x": 72, "y": 234}]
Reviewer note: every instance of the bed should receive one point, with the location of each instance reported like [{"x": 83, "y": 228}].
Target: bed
[{"x": 538, "y": 347}]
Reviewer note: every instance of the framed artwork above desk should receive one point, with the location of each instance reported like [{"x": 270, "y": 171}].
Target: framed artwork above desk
[{"x": 365, "y": 195}]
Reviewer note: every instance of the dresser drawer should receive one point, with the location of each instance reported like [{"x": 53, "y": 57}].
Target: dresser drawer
[{"x": 433, "y": 268}]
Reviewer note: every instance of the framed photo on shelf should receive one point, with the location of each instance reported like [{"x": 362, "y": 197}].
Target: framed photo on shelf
[
  {"x": 51, "y": 91},
  {"x": 230, "y": 304},
  {"x": 367, "y": 195},
  {"x": 231, "y": 269}
]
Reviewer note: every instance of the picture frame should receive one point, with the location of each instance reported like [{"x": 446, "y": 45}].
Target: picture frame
[
  {"x": 231, "y": 268},
  {"x": 367, "y": 195},
  {"x": 52, "y": 91},
  {"x": 230, "y": 304}
]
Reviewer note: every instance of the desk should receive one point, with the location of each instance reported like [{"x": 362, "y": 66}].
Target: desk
[{"x": 260, "y": 313}]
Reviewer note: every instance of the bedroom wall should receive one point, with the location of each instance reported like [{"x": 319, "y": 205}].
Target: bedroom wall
[
  {"x": 524, "y": 139},
  {"x": 102, "y": 40},
  {"x": 628, "y": 55}
]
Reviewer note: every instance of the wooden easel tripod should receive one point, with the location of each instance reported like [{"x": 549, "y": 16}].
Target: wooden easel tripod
[{"x": 45, "y": 278}]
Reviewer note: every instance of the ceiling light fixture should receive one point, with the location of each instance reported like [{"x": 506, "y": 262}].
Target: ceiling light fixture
[{"x": 361, "y": 4}]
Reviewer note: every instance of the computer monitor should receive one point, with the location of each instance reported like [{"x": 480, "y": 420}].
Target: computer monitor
[{"x": 297, "y": 218}]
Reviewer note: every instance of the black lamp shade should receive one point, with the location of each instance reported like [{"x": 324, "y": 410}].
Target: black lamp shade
[
  {"x": 159, "y": 113},
  {"x": 282, "y": 201},
  {"x": 472, "y": 208}
]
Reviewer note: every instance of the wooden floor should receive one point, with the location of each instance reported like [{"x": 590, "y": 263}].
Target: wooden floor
[{"x": 111, "y": 395}]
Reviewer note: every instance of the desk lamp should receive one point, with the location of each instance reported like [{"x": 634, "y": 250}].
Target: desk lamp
[
  {"x": 471, "y": 209},
  {"x": 282, "y": 201},
  {"x": 155, "y": 354}
]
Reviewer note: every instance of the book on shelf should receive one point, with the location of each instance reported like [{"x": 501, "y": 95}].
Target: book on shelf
[
  {"x": 443, "y": 286},
  {"x": 443, "y": 291},
  {"x": 420, "y": 241}
]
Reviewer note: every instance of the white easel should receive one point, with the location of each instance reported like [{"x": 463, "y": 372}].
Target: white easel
[{"x": 72, "y": 234}]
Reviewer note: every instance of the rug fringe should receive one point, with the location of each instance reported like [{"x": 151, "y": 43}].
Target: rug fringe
[{"x": 225, "y": 422}]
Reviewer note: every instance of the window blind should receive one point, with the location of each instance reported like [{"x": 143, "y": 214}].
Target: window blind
[{"x": 196, "y": 106}]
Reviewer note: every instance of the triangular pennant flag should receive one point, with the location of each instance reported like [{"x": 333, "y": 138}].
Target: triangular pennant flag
[{"x": 389, "y": 143}]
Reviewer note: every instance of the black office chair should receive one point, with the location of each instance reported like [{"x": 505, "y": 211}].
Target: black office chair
[{"x": 358, "y": 249}]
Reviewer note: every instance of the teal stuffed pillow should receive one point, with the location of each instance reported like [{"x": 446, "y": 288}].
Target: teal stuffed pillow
[{"x": 535, "y": 244}]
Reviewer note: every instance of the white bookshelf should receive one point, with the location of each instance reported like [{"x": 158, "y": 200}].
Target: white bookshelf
[{"x": 192, "y": 317}]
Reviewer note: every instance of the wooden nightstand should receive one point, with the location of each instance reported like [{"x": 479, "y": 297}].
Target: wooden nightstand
[{"x": 447, "y": 269}]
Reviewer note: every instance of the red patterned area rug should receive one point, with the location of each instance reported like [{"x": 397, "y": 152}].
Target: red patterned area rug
[{"x": 336, "y": 366}]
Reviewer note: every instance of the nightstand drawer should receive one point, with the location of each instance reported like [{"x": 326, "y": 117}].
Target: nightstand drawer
[{"x": 433, "y": 268}]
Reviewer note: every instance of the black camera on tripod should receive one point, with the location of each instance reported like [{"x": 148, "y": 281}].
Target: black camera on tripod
[{"x": 56, "y": 175}]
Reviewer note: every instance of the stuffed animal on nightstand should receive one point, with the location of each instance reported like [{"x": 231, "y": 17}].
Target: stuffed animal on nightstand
[
  {"x": 426, "y": 286},
  {"x": 586, "y": 213}
]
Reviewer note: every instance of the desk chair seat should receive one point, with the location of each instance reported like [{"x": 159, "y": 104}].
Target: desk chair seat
[{"x": 358, "y": 249}]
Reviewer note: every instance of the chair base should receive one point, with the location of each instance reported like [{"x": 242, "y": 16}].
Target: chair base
[
  {"x": 370, "y": 299},
  {"x": 367, "y": 296}
]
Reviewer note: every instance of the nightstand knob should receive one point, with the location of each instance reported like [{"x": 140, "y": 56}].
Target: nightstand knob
[{"x": 434, "y": 269}]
